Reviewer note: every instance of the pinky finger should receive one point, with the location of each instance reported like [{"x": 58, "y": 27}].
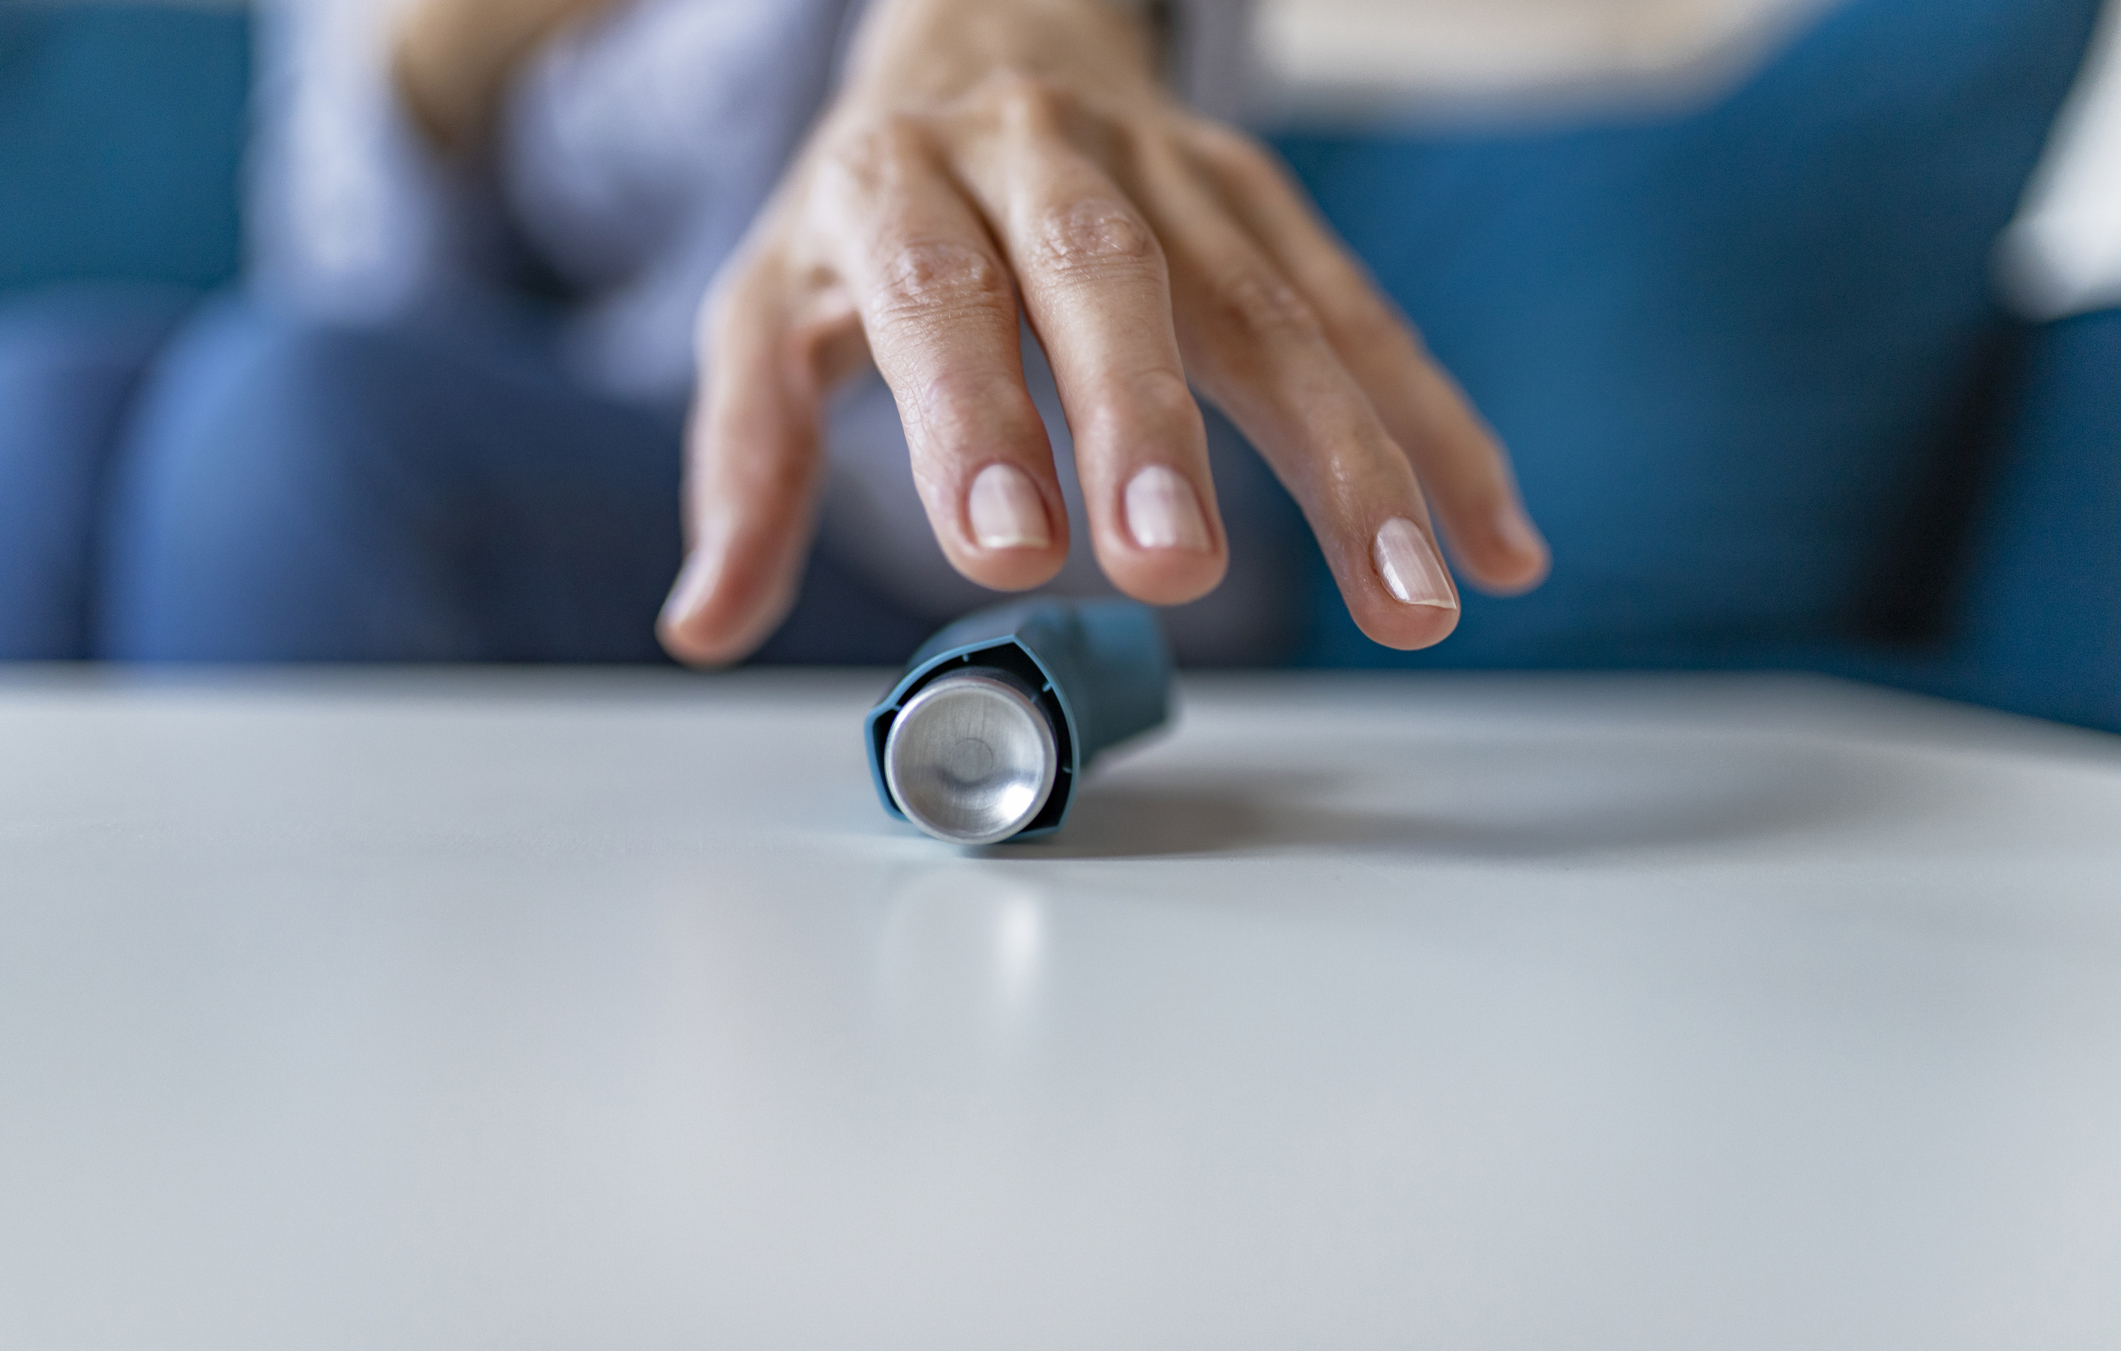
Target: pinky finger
[{"x": 1462, "y": 465}]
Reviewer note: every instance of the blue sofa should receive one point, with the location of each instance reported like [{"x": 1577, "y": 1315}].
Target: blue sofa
[{"x": 1746, "y": 356}]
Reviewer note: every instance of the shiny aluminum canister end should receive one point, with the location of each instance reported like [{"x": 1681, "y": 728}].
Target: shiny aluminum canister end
[
  {"x": 971, "y": 759},
  {"x": 996, "y": 718}
]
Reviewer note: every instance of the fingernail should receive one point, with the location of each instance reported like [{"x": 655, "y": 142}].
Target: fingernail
[
  {"x": 1006, "y": 510},
  {"x": 690, "y": 590},
  {"x": 1163, "y": 511},
  {"x": 1409, "y": 565}
]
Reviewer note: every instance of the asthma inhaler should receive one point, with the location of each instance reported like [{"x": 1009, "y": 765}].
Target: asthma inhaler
[{"x": 999, "y": 715}]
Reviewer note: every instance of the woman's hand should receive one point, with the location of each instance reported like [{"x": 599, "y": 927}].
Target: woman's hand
[{"x": 992, "y": 156}]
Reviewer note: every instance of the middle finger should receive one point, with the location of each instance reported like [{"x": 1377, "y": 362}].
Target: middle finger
[{"x": 1097, "y": 293}]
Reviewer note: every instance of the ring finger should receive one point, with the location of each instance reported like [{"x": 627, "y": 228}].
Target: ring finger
[{"x": 1259, "y": 350}]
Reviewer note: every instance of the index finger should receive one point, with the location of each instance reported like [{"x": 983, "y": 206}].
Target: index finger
[{"x": 750, "y": 477}]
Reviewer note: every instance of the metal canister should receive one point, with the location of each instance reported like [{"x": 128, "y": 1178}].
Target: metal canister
[{"x": 997, "y": 717}]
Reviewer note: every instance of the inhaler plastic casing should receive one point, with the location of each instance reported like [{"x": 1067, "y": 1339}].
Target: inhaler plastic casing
[{"x": 999, "y": 715}]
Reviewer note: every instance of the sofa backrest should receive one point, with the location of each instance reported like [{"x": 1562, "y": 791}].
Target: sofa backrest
[
  {"x": 1741, "y": 354},
  {"x": 121, "y": 138}
]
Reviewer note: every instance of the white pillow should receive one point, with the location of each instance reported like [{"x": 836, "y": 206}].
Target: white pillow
[{"x": 2062, "y": 256}]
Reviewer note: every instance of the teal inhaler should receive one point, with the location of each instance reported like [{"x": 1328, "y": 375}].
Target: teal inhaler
[{"x": 999, "y": 715}]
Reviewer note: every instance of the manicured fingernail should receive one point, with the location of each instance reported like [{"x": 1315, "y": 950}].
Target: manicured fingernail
[
  {"x": 1163, "y": 511},
  {"x": 1006, "y": 510},
  {"x": 689, "y": 591},
  {"x": 1409, "y": 565}
]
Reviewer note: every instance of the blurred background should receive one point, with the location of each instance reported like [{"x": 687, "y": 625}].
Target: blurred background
[{"x": 1797, "y": 315}]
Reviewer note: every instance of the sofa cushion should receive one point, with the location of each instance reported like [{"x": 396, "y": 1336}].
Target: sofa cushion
[
  {"x": 2040, "y": 623},
  {"x": 121, "y": 133},
  {"x": 1741, "y": 354}
]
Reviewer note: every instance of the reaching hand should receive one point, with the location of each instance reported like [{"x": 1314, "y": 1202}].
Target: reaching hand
[{"x": 996, "y": 157}]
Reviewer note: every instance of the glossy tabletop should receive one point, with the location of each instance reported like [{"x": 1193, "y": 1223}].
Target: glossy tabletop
[{"x": 570, "y": 1010}]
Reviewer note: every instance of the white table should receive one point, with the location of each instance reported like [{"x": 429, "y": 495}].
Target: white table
[{"x": 518, "y": 1010}]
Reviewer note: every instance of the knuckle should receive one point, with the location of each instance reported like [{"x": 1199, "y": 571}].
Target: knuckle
[
  {"x": 1253, "y": 302},
  {"x": 1028, "y": 102},
  {"x": 873, "y": 158},
  {"x": 921, "y": 279},
  {"x": 1097, "y": 236},
  {"x": 893, "y": 138}
]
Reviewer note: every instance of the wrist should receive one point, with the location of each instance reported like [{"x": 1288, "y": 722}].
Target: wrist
[
  {"x": 453, "y": 60},
  {"x": 925, "y": 52}
]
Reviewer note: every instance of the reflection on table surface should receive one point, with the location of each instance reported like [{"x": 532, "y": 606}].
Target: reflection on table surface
[{"x": 608, "y": 1010}]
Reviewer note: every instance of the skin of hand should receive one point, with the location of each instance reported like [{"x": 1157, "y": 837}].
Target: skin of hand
[
  {"x": 991, "y": 158},
  {"x": 452, "y": 60}
]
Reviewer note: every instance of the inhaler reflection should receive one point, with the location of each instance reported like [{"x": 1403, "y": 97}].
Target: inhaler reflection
[{"x": 962, "y": 956}]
